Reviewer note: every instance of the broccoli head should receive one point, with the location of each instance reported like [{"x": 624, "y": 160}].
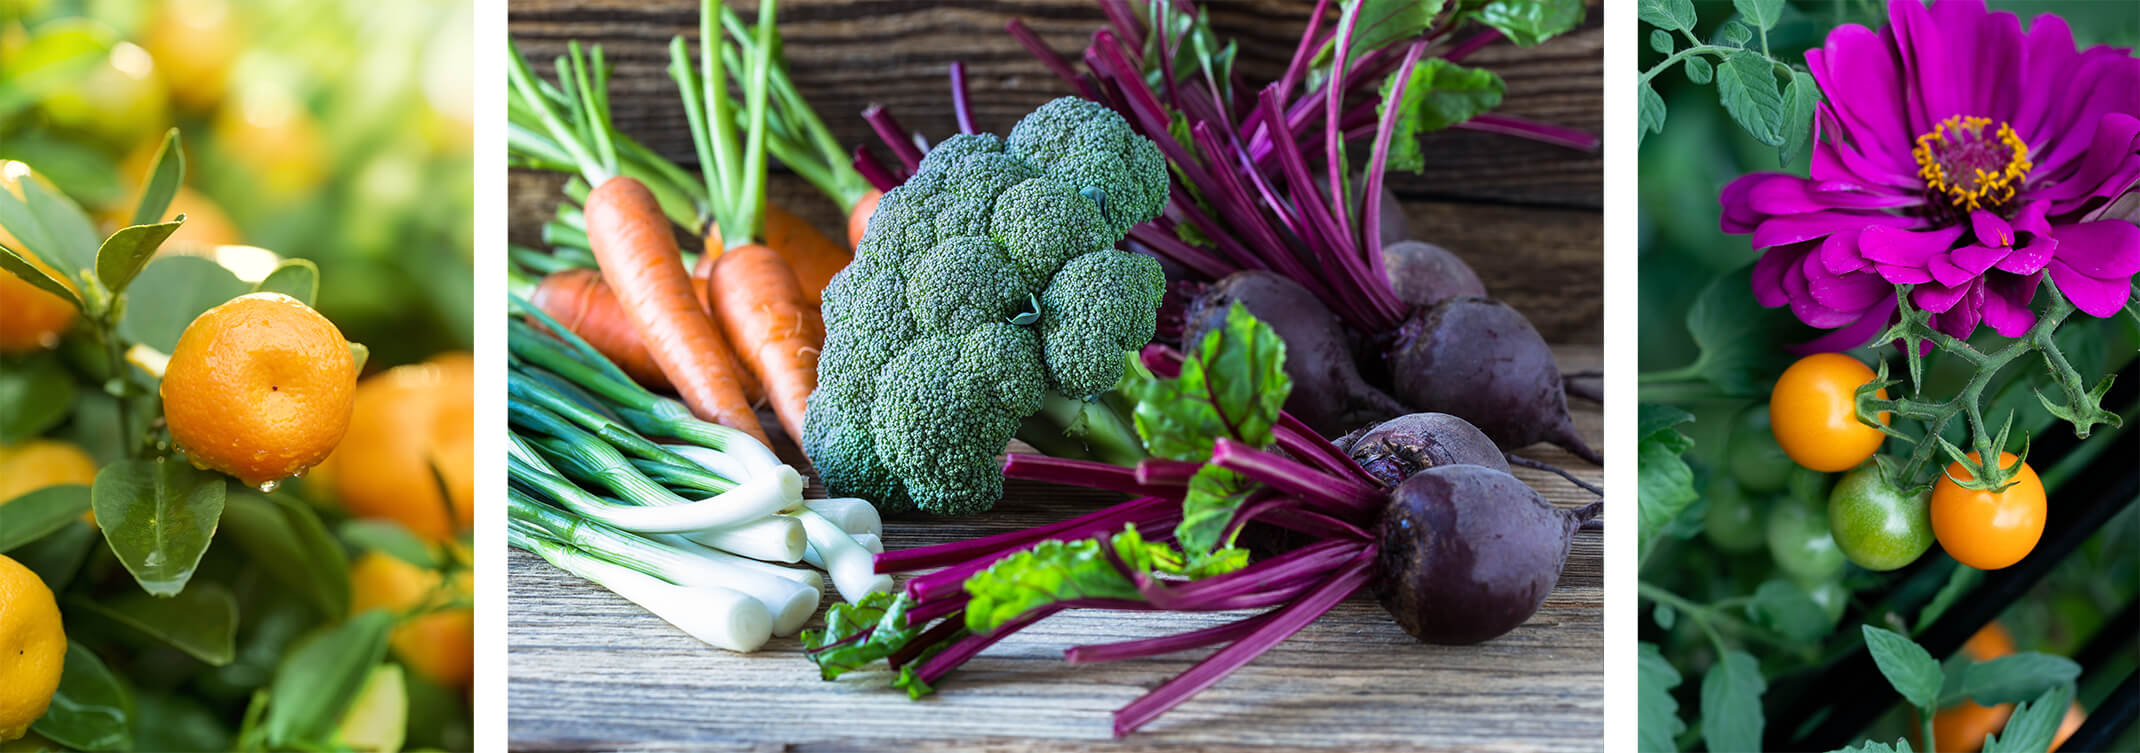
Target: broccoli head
[{"x": 984, "y": 283}]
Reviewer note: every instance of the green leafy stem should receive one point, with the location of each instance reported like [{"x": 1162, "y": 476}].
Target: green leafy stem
[
  {"x": 1745, "y": 76},
  {"x": 2082, "y": 407}
]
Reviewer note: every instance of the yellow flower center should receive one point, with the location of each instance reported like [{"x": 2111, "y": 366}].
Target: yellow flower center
[{"x": 1973, "y": 165}]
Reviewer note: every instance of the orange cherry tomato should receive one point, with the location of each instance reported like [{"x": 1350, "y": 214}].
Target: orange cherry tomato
[
  {"x": 1984, "y": 529},
  {"x": 1813, "y": 413}
]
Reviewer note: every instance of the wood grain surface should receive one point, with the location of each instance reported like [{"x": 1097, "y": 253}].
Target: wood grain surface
[
  {"x": 591, "y": 670},
  {"x": 1527, "y": 216}
]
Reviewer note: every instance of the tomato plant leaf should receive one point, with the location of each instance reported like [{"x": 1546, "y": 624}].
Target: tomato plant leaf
[
  {"x": 1664, "y": 484},
  {"x": 1746, "y": 83},
  {"x": 1656, "y": 711},
  {"x": 91, "y": 711},
  {"x": 166, "y": 174},
  {"x": 2034, "y": 724},
  {"x": 1959, "y": 582},
  {"x": 1907, "y": 666},
  {"x": 201, "y": 621},
  {"x": 29, "y": 517},
  {"x": 1870, "y": 746},
  {"x": 170, "y": 292},
  {"x": 1650, "y": 112},
  {"x": 1801, "y": 98},
  {"x": 288, "y": 540},
  {"x": 2016, "y": 677},
  {"x": 1661, "y": 41},
  {"x": 1731, "y": 703},
  {"x": 1737, "y": 336},
  {"x": 36, "y": 394},
  {"x": 1785, "y": 607},
  {"x": 1761, "y": 13},
  {"x": 296, "y": 278},
  {"x": 320, "y": 676},
  {"x": 1673, "y": 15},
  {"x": 158, "y": 515},
  {"x": 121, "y": 256}
]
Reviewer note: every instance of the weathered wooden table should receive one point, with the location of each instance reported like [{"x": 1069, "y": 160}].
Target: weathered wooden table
[{"x": 590, "y": 670}]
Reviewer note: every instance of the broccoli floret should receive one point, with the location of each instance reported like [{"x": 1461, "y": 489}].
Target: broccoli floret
[
  {"x": 986, "y": 282},
  {"x": 1089, "y": 318}
]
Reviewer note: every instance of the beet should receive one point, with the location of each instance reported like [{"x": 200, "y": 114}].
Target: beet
[
  {"x": 1424, "y": 274},
  {"x": 1394, "y": 450},
  {"x": 1328, "y": 392},
  {"x": 1480, "y": 359},
  {"x": 1469, "y": 553}
]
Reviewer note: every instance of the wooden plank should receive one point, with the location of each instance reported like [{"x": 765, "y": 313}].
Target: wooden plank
[
  {"x": 847, "y": 54},
  {"x": 588, "y": 669}
]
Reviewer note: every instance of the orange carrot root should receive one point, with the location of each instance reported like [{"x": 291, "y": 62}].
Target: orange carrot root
[{"x": 764, "y": 311}]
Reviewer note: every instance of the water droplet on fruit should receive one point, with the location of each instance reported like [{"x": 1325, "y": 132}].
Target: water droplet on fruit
[
  {"x": 269, "y": 487},
  {"x": 301, "y": 473}
]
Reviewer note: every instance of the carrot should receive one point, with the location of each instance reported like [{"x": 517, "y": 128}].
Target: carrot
[
  {"x": 632, "y": 243},
  {"x": 858, "y": 216},
  {"x": 814, "y": 256},
  {"x": 578, "y": 299},
  {"x": 762, "y": 308}
]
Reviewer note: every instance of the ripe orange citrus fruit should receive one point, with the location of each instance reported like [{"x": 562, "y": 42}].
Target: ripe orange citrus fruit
[
  {"x": 411, "y": 432},
  {"x": 31, "y": 318},
  {"x": 438, "y": 644},
  {"x": 33, "y": 644},
  {"x": 259, "y": 388}
]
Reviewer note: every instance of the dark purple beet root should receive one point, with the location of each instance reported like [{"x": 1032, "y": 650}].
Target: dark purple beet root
[
  {"x": 1396, "y": 449},
  {"x": 1393, "y": 219},
  {"x": 1424, "y": 274},
  {"x": 1479, "y": 359},
  {"x": 1328, "y": 393},
  {"x": 1469, "y": 552}
]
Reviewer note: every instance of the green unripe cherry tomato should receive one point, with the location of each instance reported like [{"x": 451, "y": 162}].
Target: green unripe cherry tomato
[
  {"x": 1832, "y": 598},
  {"x": 1733, "y": 522},
  {"x": 1799, "y": 541},
  {"x": 1756, "y": 460},
  {"x": 1878, "y": 526}
]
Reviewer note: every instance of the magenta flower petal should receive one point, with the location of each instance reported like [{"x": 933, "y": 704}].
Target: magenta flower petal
[
  {"x": 1854, "y": 334},
  {"x": 2050, "y": 56},
  {"x": 1857, "y": 72},
  {"x": 2110, "y": 168},
  {"x": 2101, "y": 69},
  {"x": 2095, "y": 265},
  {"x": 1990, "y": 229},
  {"x": 1768, "y": 277},
  {"x": 1974, "y": 260},
  {"x": 1851, "y": 292},
  {"x": 2006, "y": 309},
  {"x": 1937, "y": 298},
  {"x": 1839, "y": 252},
  {"x": 1784, "y": 230},
  {"x": 1906, "y": 248}
]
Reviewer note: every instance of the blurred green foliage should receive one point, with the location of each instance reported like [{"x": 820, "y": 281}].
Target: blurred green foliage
[{"x": 337, "y": 131}]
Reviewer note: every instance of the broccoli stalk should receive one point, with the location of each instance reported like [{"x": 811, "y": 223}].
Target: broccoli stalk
[{"x": 1098, "y": 429}]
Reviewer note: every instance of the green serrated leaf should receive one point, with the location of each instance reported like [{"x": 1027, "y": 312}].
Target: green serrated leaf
[
  {"x": 1801, "y": 98},
  {"x": 31, "y": 516},
  {"x": 2016, "y": 677},
  {"x": 92, "y": 710},
  {"x": 1649, "y": 111},
  {"x": 1733, "y": 34},
  {"x": 1656, "y": 712},
  {"x": 1661, "y": 41},
  {"x": 1731, "y": 703},
  {"x": 2034, "y": 724},
  {"x": 122, "y": 255},
  {"x": 1672, "y": 15},
  {"x": 201, "y": 621},
  {"x": 1699, "y": 70},
  {"x": 1439, "y": 94},
  {"x": 1737, "y": 335},
  {"x": 296, "y": 278},
  {"x": 1761, "y": 13},
  {"x": 1787, "y": 608},
  {"x": 1907, "y": 666},
  {"x": 1747, "y": 85},
  {"x": 158, "y": 515},
  {"x": 1664, "y": 483},
  {"x": 166, "y": 174},
  {"x": 1870, "y": 746}
]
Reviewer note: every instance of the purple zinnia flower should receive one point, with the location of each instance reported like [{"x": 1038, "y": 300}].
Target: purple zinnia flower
[{"x": 1958, "y": 154}]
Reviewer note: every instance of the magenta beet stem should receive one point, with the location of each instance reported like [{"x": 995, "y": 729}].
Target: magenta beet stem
[
  {"x": 1283, "y": 624},
  {"x": 1055, "y": 63},
  {"x": 895, "y": 137},
  {"x": 1070, "y": 472},
  {"x": 1094, "y": 653},
  {"x": 921, "y": 558},
  {"x": 961, "y": 107},
  {"x": 1471, "y": 44},
  {"x": 1545, "y": 133},
  {"x": 879, "y": 176},
  {"x": 1291, "y": 477}
]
